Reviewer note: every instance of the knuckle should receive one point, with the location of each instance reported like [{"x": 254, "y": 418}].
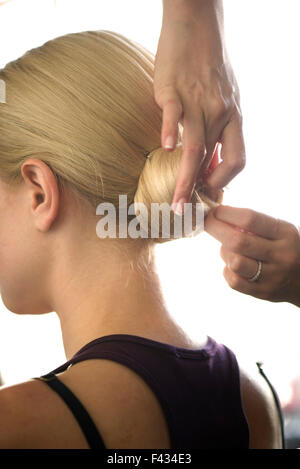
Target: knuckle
[
  {"x": 285, "y": 230},
  {"x": 232, "y": 279},
  {"x": 165, "y": 95},
  {"x": 234, "y": 282},
  {"x": 240, "y": 165},
  {"x": 236, "y": 263},
  {"x": 218, "y": 106},
  {"x": 218, "y": 211},
  {"x": 239, "y": 116},
  {"x": 293, "y": 233},
  {"x": 223, "y": 252},
  {"x": 195, "y": 90},
  {"x": 284, "y": 255},
  {"x": 236, "y": 165}
]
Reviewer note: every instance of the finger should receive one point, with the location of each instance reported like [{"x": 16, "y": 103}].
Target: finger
[
  {"x": 172, "y": 112},
  {"x": 250, "y": 220},
  {"x": 238, "y": 283},
  {"x": 242, "y": 243},
  {"x": 193, "y": 144},
  {"x": 241, "y": 265},
  {"x": 233, "y": 155}
]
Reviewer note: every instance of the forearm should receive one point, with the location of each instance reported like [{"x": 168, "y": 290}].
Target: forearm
[
  {"x": 194, "y": 9},
  {"x": 202, "y": 18}
]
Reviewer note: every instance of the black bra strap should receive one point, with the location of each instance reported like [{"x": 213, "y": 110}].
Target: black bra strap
[
  {"x": 277, "y": 402},
  {"x": 87, "y": 425}
]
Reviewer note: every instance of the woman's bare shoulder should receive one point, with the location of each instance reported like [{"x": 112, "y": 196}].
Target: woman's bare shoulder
[
  {"x": 122, "y": 406},
  {"x": 260, "y": 409},
  {"x": 35, "y": 417}
]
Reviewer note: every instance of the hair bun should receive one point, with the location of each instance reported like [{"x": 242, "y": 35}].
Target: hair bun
[{"x": 157, "y": 184}]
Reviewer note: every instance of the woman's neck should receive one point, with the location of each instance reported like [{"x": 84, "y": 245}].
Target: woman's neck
[{"x": 110, "y": 296}]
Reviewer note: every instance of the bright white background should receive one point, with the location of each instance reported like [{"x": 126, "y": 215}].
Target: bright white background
[{"x": 263, "y": 39}]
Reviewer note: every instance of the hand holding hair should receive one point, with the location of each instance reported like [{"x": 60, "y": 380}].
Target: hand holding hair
[
  {"x": 195, "y": 86},
  {"x": 261, "y": 253}
]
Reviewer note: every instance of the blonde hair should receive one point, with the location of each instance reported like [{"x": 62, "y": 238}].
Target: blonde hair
[{"x": 84, "y": 104}]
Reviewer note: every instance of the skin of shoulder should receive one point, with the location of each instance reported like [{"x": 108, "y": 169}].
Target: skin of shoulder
[
  {"x": 33, "y": 416},
  {"x": 260, "y": 409}
]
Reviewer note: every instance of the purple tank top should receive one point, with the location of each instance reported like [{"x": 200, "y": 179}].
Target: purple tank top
[{"x": 199, "y": 390}]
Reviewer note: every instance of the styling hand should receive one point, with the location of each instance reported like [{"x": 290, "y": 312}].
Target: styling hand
[{"x": 194, "y": 85}]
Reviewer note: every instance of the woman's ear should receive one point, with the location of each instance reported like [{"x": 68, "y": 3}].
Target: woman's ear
[{"x": 42, "y": 189}]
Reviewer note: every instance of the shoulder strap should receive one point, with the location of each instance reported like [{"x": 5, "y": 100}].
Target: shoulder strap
[
  {"x": 277, "y": 402},
  {"x": 84, "y": 420}
]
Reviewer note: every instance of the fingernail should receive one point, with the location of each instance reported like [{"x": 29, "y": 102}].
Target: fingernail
[
  {"x": 169, "y": 143},
  {"x": 178, "y": 207}
]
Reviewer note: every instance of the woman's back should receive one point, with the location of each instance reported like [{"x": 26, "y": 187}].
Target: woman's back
[
  {"x": 198, "y": 390},
  {"x": 165, "y": 396}
]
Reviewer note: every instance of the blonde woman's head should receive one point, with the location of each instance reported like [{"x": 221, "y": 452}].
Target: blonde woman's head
[{"x": 79, "y": 118}]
